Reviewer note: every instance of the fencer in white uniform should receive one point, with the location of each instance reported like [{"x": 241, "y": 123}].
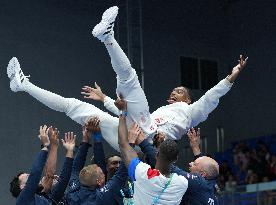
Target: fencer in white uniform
[{"x": 173, "y": 120}]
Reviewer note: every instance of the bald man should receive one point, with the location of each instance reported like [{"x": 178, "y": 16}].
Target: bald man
[
  {"x": 203, "y": 171},
  {"x": 202, "y": 177}
]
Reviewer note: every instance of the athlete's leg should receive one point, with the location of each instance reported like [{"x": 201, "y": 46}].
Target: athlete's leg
[
  {"x": 77, "y": 110},
  {"x": 127, "y": 81}
]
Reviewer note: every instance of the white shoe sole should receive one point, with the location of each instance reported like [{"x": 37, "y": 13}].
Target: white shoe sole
[
  {"x": 13, "y": 67},
  {"x": 108, "y": 17},
  {"x": 13, "y": 72}
]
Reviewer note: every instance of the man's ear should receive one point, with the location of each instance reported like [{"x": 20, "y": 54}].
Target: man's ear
[
  {"x": 203, "y": 174},
  {"x": 188, "y": 100},
  {"x": 22, "y": 186}
]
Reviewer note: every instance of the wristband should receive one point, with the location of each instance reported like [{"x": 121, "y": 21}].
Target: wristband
[
  {"x": 123, "y": 113},
  {"x": 97, "y": 136},
  {"x": 47, "y": 146}
]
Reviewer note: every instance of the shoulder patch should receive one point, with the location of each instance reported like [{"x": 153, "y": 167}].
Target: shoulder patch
[{"x": 152, "y": 173}]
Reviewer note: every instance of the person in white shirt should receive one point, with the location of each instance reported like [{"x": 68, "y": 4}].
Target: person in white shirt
[
  {"x": 152, "y": 186},
  {"x": 171, "y": 121}
]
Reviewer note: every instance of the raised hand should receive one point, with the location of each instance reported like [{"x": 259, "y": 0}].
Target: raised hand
[
  {"x": 237, "y": 69},
  {"x": 69, "y": 141},
  {"x": 43, "y": 135},
  {"x": 120, "y": 103},
  {"x": 93, "y": 93},
  {"x": 54, "y": 136},
  {"x": 93, "y": 125},
  {"x": 194, "y": 138},
  {"x": 133, "y": 133}
]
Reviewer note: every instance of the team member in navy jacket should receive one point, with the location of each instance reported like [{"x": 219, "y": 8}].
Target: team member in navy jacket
[
  {"x": 203, "y": 171},
  {"x": 87, "y": 184},
  {"x": 24, "y": 186}
]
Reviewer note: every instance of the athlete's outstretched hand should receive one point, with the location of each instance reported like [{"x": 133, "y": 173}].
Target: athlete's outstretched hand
[
  {"x": 237, "y": 69},
  {"x": 93, "y": 93}
]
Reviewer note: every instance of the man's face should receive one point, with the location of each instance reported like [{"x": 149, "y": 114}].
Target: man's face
[
  {"x": 23, "y": 178},
  {"x": 195, "y": 166},
  {"x": 179, "y": 94},
  {"x": 101, "y": 177},
  {"x": 113, "y": 164}
]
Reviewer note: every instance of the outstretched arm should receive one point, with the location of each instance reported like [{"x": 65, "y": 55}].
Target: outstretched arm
[
  {"x": 98, "y": 151},
  {"x": 69, "y": 144},
  {"x": 199, "y": 110},
  {"x": 28, "y": 192},
  {"x": 50, "y": 167},
  {"x": 128, "y": 153},
  {"x": 136, "y": 136},
  {"x": 237, "y": 69},
  {"x": 97, "y": 94},
  {"x": 194, "y": 138}
]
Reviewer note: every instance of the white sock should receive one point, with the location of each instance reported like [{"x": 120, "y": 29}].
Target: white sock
[{"x": 119, "y": 60}]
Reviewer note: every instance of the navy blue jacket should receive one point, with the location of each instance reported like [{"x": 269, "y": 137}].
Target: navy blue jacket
[
  {"x": 28, "y": 195},
  {"x": 81, "y": 195},
  {"x": 99, "y": 158},
  {"x": 200, "y": 191}
]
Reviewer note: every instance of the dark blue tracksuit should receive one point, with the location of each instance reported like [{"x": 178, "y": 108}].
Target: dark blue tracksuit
[
  {"x": 200, "y": 191},
  {"x": 99, "y": 158},
  {"x": 28, "y": 195},
  {"x": 81, "y": 195}
]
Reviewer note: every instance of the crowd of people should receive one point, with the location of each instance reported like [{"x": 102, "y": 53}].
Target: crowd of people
[
  {"x": 125, "y": 179},
  {"x": 250, "y": 165}
]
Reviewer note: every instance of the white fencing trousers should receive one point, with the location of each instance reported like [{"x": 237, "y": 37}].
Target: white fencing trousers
[
  {"x": 81, "y": 112},
  {"x": 128, "y": 85}
]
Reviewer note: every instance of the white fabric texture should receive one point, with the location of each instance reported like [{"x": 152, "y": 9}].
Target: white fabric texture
[
  {"x": 146, "y": 189},
  {"x": 78, "y": 111},
  {"x": 175, "y": 119},
  {"x": 128, "y": 85}
]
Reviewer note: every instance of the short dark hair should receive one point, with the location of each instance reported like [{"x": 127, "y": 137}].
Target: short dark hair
[
  {"x": 15, "y": 185},
  {"x": 189, "y": 93},
  {"x": 168, "y": 150}
]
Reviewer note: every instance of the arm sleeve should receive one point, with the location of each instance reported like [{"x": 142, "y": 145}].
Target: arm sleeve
[
  {"x": 59, "y": 188},
  {"x": 149, "y": 151},
  {"x": 113, "y": 186},
  {"x": 109, "y": 105},
  {"x": 132, "y": 168},
  {"x": 99, "y": 156},
  {"x": 79, "y": 161},
  {"x": 31, "y": 186},
  {"x": 194, "y": 181},
  {"x": 200, "y": 109}
]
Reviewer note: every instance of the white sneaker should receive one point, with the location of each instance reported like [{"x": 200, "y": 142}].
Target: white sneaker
[
  {"x": 16, "y": 75},
  {"x": 104, "y": 29}
]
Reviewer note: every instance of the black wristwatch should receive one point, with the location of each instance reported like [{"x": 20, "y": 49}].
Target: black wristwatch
[{"x": 47, "y": 146}]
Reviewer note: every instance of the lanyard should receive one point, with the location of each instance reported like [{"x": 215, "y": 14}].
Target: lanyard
[
  {"x": 128, "y": 201},
  {"x": 157, "y": 198}
]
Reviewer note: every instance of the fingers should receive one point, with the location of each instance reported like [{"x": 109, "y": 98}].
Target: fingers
[
  {"x": 87, "y": 88},
  {"x": 85, "y": 94},
  {"x": 193, "y": 133},
  {"x": 198, "y": 132},
  {"x": 97, "y": 86},
  {"x": 43, "y": 130},
  {"x": 69, "y": 137}
]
